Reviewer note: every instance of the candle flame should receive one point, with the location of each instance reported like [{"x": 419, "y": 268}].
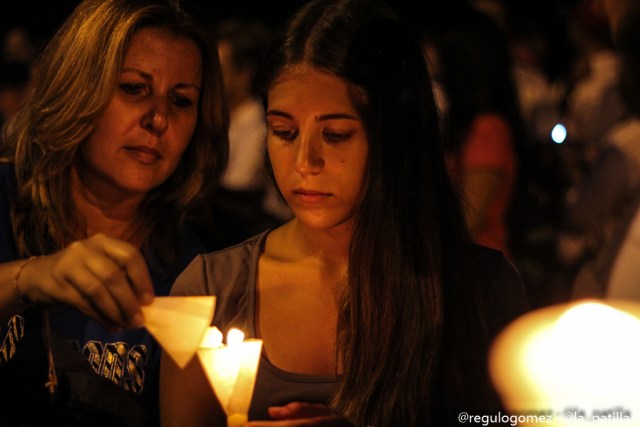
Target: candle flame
[
  {"x": 234, "y": 337},
  {"x": 212, "y": 338}
]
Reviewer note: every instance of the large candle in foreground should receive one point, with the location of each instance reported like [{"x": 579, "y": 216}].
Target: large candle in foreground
[
  {"x": 574, "y": 364},
  {"x": 231, "y": 370}
]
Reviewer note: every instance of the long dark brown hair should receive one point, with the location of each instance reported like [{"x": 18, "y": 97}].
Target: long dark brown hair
[{"x": 410, "y": 302}]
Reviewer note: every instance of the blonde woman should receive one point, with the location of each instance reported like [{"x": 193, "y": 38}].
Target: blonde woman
[{"x": 121, "y": 138}]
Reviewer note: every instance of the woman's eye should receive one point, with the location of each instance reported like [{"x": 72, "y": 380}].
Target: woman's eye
[
  {"x": 335, "y": 136},
  {"x": 131, "y": 88},
  {"x": 285, "y": 134},
  {"x": 182, "y": 101}
]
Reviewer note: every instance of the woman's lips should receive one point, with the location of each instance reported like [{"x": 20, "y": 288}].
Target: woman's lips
[
  {"x": 310, "y": 196},
  {"x": 145, "y": 155}
]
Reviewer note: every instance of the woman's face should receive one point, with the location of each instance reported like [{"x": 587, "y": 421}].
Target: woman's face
[
  {"x": 317, "y": 146},
  {"x": 148, "y": 123}
]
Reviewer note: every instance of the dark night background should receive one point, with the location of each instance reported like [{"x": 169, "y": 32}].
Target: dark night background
[{"x": 547, "y": 17}]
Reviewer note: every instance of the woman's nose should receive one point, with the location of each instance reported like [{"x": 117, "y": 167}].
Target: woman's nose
[
  {"x": 309, "y": 159},
  {"x": 156, "y": 119}
]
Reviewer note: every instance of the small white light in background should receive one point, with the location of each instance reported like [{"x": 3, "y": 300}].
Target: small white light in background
[{"x": 559, "y": 133}]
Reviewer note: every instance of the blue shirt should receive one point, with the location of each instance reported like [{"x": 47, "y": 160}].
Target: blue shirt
[{"x": 129, "y": 359}]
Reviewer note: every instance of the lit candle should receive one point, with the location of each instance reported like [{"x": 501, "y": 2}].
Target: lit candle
[
  {"x": 231, "y": 370},
  {"x": 579, "y": 363}
]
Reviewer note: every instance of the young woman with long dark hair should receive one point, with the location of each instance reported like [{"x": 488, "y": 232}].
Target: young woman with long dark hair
[{"x": 373, "y": 303}]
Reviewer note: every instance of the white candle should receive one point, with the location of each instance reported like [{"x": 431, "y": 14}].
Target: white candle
[{"x": 231, "y": 370}]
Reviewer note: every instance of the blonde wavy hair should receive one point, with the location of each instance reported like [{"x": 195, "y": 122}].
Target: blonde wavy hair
[{"x": 73, "y": 81}]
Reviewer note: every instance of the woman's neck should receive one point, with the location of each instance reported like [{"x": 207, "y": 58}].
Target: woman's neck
[
  {"x": 328, "y": 246},
  {"x": 114, "y": 216}
]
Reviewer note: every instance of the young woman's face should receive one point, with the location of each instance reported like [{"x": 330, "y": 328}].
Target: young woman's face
[
  {"x": 150, "y": 119},
  {"x": 317, "y": 146}
]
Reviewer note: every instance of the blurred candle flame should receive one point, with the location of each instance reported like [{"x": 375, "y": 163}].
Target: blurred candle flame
[{"x": 583, "y": 355}]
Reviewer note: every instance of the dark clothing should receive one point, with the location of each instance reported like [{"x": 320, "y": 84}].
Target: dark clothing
[{"x": 105, "y": 378}]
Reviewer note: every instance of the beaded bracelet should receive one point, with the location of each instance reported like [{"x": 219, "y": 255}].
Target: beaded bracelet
[
  {"x": 23, "y": 302},
  {"x": 52, "y": 382}
]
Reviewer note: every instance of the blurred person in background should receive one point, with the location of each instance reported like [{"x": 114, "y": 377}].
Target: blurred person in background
[
  {"x": 245, "y": 188},
  {"x": 539, "y": 197},
  {"x": 19, "y": 46},
  {"x": 592, "y": 101},
  {"x": 594, "y": 105},
  {"x": 602, "y": 209},
  {"x": 538, "y": 103},
  {"x": 14, "y": 79},
  {"x": 469, "y": 58}
]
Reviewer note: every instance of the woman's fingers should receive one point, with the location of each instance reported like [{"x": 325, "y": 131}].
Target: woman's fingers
[
  {"x": 123, "y": 273},
  {"x": 105, "y": 278},
  {"x": 299, "y": 414},
  {"x": 96, "y": 290},
  {"x": 120, "y": 285},
  {"x": 132, "y": 261},
  {"x": 299, "y": 410},
  {"x": 106, "y": 313},
  {"x": 324, "y": 421}
]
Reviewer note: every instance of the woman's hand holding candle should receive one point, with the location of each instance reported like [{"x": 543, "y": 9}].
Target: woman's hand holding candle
[{"x": 297, "y": 414}]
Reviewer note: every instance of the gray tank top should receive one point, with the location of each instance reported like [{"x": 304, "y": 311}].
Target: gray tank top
[{"x": 231, "y": 275}]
